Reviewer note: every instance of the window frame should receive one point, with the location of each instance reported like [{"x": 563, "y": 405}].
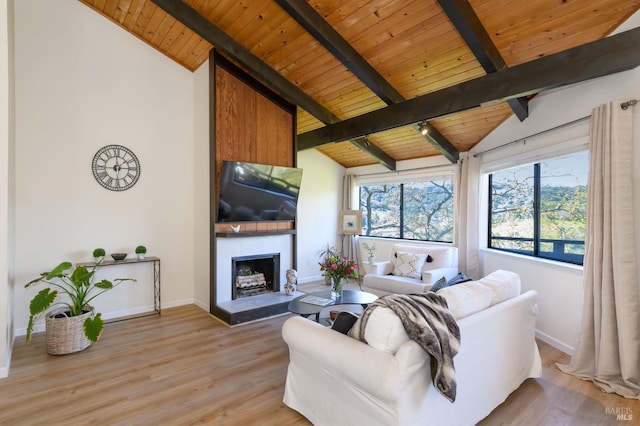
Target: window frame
[
  {"x": 537, "y": 203},
  {"x": 426, "y": 178}
]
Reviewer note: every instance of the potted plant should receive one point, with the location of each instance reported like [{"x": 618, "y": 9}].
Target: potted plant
[
  {"x": 325, "y": 254},
  {"x": 370, "y": 251},
  {"x": 141, "y": 251},
  {"x": 75, "y": 326},
  {"x": 98, "y": 254}
]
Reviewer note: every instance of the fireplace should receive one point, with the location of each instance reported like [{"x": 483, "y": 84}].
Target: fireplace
[{"x": 253, "y": 275}]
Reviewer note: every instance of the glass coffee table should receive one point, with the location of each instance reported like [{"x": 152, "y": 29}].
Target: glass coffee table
[{"x": 349, "y": 297}]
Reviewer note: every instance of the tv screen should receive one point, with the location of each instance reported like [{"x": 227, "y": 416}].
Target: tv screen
[{"x": 257, "y": 192}]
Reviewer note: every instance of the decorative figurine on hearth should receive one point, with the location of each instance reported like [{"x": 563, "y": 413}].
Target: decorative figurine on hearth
[{"x": 292, "y": 282}]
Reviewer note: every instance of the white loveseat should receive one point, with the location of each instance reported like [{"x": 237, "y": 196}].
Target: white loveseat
[
  {"x": 381, "y": 280},
  {"x": 333, "y": 379}
]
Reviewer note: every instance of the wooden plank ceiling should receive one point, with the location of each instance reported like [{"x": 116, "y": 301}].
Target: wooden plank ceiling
[{"x": 413, "y": 47}]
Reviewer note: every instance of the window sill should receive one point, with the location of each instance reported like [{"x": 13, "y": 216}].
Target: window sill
[{"x": 534, "y": 260}]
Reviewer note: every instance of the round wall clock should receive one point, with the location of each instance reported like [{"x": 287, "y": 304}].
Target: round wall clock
[{"x": 116, "y": 167}]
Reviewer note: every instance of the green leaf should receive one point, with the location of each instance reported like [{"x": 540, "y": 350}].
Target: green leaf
[
  {"x": 104, "y": 284},
  {"x": 58, "y": 271},
  {"x": 81, "y": 276},
  {"x": 42, "y": 301},
  {"x": 37, "y": 280},
  {"x": 93, "y": 327}
]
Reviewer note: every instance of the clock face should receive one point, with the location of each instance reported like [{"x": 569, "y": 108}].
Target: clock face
[{"x": 115, "y": 167}]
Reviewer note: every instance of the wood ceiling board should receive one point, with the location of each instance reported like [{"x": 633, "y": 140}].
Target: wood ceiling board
[
  {"x": 403, "y": 143},
  {"x": 137, "y": 24},
  {"x": 468, "y": 128},
  {"x": 306, "y": 121},
  {"x": 347, "y": 155},
  {"x": 513, "y": 30}
]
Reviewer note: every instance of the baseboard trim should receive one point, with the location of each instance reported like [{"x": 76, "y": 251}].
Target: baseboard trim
[{"x": 555, "y": 342}]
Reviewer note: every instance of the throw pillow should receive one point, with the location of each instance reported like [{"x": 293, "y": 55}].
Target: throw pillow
[
  {"x": 460, "y": 278},
  {"x": 409, "y": 264},
  {"x": 344, "y": 321},
  {"x": 441, "y": 283}
]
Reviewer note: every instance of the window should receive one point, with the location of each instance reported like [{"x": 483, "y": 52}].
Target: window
[
  {"x": 540, "y": 209},
  {"x": 421, "y": 210}
]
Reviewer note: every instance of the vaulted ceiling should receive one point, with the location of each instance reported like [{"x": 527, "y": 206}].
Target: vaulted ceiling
[{"x": 366, "y": 73}]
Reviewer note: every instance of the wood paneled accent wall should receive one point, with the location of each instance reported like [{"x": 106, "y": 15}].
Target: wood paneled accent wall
[{"x": 252, "y": 124}]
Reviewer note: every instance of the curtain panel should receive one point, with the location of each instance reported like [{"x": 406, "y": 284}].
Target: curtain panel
[{"x": 608, "y": 343}]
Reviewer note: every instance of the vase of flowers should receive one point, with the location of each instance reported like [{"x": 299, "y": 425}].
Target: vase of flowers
[{"x": 339, "y": 268}]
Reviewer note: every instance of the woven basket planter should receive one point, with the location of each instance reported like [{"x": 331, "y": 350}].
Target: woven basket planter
[{"x": 65, "y": 335}]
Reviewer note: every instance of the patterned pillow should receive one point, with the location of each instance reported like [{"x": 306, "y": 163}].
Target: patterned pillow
[
  {"x": 409, "y": 264},
  {"x": 441, "y": 283}
]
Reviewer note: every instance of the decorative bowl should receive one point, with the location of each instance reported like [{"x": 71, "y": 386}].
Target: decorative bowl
[{"x": 119, "y": 256}]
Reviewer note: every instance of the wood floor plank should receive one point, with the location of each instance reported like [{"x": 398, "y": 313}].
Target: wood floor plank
[{"x": 186, "y": 367}]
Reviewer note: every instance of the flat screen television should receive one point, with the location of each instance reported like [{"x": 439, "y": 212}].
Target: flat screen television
[{"x": 257, "y": 192}]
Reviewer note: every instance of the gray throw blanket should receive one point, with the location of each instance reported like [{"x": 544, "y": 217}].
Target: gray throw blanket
[{"x": 427, "y": 320}]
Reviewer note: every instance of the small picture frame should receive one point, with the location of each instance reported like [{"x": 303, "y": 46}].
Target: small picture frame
[{"x": 350, "y": 222}]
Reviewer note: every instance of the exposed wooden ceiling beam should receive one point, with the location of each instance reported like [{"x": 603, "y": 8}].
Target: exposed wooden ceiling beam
[
  {"x": 596, "y": 59},
  {"x": 309, "y": 19},
  {"x": 464, "y": 18},
  {"x": 260, "y": 70},
  {"x": 305, "y": 15},
  {"x": 205, "y": 29},
  {"x": 440, "y": 143},
  {"x": 374, "y": 152}
]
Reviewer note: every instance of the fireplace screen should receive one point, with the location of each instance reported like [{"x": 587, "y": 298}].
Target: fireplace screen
[{"x": 253, "y": 275}]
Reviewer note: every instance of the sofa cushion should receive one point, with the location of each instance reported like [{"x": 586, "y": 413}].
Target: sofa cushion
[
  {"x": 384, "y": 330},
  {"x": 466, "y": 298},
  {"x": 503, "y": 284},
  {"x": 408, "y": 264}
]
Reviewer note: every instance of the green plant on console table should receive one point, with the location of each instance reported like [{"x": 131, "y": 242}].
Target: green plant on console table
[
  {"x": 141, "y": 250},
  {"x": 79, "y": 288},
  {"x": 369, "y": 249},
  {"x": 99, "y": 252}
]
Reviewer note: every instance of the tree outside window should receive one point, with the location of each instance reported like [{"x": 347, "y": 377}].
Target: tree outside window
[
  {"x": 416, "y": 210},
  {"x": 540, "y": 209}
]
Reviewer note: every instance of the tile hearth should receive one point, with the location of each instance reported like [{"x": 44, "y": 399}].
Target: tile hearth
[{"x": 261, "y": 306}]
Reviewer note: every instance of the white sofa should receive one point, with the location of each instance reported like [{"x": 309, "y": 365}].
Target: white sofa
[
  {"x": 333, "y": 379},
  {"x": 381, "y": 280}
]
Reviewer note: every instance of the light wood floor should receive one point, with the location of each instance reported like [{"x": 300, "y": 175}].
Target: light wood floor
[{"x": 186, "y": 367}]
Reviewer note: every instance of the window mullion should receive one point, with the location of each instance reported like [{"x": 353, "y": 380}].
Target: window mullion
[
  {"x": 490, "y": 213},
  {"x": 401, "y": 210},
  {"x": 536, "y": 209}
]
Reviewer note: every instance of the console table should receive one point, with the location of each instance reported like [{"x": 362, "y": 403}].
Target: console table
[{"x": 155, "y": 261}]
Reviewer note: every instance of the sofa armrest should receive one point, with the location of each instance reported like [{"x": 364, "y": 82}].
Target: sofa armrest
[
  {"x": 315, "y": 349},
  {"x": 430, "y": 276},
  {"x": 380, "y": 268}
]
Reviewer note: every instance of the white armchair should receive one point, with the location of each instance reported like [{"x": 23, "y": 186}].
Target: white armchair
[{"x": 382, "y": 279}]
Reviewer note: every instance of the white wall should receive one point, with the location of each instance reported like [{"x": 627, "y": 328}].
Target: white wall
[
  {"x": 319, "y": 205},
  {"x": 82, "y": 83},
  {"x": 7, "y": 147},
  {"x": 560, "y": 287},
  {"x": 202, "y": 202}
]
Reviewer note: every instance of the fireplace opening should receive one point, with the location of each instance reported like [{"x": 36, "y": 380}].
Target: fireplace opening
[{"x": 253, "y": 275}]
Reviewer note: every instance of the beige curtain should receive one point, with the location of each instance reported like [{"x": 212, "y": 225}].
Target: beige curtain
[
  {"x": 607, "y": 350},
  {"x": 468, "y": 210},
  {"x": 349, "y": 242}
]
